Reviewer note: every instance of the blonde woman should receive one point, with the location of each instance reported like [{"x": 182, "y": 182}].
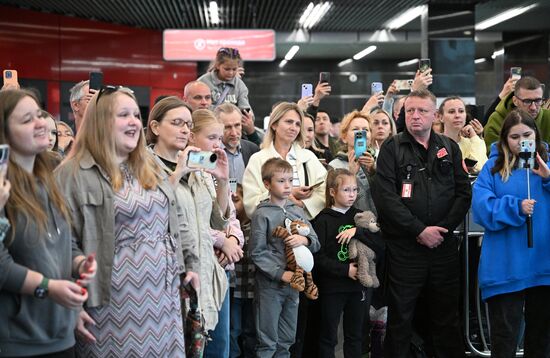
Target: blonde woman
[
  {"x": 363, "y": 166},
  {"x": 125, "y": 210},
  {"x": 65, "y": 137},
  {"x": 285, "y": 139},
  {"x": 38, "y": 255}
]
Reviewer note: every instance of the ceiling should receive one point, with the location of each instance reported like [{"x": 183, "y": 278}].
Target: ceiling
[{"x": 346, "y": 29}]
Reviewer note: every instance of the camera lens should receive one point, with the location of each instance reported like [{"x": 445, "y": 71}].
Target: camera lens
[{"x": 213, "y": 158}]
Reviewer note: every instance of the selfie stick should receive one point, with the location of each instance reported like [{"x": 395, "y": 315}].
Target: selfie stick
[{"x": 529, "y": 217}]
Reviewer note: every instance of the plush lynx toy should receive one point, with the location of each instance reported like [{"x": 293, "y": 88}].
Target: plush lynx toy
[
  {"x": 298, "y": 281},
  {"x": 366, "y": 268}
]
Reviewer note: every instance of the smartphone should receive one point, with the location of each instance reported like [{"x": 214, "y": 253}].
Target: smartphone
[
  {"x": 376, "y": 87},
  {"x": 245, "y": 111},
  {"x": 202, "y": 160},
  {"x": 360, "y": 142},
  {"x": 424, "y": 64},
  {"x": 470, "y": 163},
  {"x": 307, "y": 90},
  {"x": 10, "y": 77},
  {"x": 4, "y": 153},
  {"x": 316, "y": 185},
  {"x": 96, "y": 80},
  {"x": 324, "y": 77},
  {"x": 403, "y": 85},
  {"x": 527, "y": 154},
  {"x": 515, "y": 73},
  {"x": 233, "y": 185}
]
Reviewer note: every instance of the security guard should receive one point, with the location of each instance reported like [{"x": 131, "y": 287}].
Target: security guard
[{"x": 422, "y": 193}]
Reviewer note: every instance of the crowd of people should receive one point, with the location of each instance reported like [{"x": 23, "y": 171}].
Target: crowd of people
[{"x": 105, "y": 235}]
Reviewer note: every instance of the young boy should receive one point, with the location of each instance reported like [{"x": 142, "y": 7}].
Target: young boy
[{"x": 276, "y": 303}]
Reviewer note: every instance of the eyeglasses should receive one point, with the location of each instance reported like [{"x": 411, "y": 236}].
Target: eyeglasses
[
  {"x": 233, "y": 52},
  {"x": 528, "y": 101},
  {"x": 178, "y": 122},
  {"x": 111, "y": 89}
]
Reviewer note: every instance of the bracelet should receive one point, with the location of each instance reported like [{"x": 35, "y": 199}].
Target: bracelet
[{"x": 79, "y": 266}]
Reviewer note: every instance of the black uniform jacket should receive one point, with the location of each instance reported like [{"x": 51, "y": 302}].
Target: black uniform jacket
[{"x": 441, "y": 191}]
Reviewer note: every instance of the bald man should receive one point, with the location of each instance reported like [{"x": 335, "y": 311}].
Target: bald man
[{"x": 198, "y": 95}]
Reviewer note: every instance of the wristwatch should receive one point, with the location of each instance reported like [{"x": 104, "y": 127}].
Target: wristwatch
[{"x": 42, "y": 290}]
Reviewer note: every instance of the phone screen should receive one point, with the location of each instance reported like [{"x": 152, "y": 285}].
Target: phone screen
[
  {"x": 424, "y": 64},
  {"x": 515, "y": 73}
]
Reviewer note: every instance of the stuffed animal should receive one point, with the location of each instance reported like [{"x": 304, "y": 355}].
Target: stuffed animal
[
  {"x": 364, "y": 255},
  {"x": 298, "y": 281}
]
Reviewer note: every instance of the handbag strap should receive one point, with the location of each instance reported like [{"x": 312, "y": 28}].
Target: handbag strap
[{"x": 223, "y": 95}]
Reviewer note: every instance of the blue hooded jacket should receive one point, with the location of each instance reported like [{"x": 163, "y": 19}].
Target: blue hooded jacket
[{"x": 507, "y": 264}]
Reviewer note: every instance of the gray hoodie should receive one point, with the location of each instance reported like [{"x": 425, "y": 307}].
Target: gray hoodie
[
  {"x": 266, "y": 251},
  {"x": 28, "y": 325},
  {"x": 237, "y": 93}
]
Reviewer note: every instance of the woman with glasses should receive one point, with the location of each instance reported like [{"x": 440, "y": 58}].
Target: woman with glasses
[
  {"x": 125, "y": 210},
  {"x": 170, "y": 127},
  {"x": 39, "y": 259}
]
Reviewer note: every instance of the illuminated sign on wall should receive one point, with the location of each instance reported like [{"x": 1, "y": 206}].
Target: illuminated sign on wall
[{"x": 202, "y": 45}]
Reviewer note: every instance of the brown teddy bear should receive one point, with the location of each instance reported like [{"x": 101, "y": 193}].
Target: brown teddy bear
[{"x": 364, "y": 255}]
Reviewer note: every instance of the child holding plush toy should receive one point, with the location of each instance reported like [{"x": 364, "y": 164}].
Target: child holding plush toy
[{"x": 337, "y": 277}]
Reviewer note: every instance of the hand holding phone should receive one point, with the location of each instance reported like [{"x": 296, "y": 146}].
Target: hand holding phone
[
  {"x": 96, "y": 80},
  {"x": 10, "y": 79},
  {"x": 403, "y": 85},
  {"x": 315, "y": 185},
  {"x": 376, "y": 87},
  {"x": 424, "y": 64}
]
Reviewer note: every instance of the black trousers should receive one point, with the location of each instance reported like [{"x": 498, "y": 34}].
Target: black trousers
[
  {"x": 353, "y": 305},
  {"x": 505, "y": 314},
  {"x": 414, "y": 269}
]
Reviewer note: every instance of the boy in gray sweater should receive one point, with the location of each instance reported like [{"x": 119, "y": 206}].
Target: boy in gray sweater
[{"x": 276, "y": 303}]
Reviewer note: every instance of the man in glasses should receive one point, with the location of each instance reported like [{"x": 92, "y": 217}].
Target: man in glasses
[{"x": 528, "y": 96}]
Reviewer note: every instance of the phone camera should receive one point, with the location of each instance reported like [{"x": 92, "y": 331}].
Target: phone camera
[
  {"x": 213, "y": 158},
  {"x": 8, "y": 75}
]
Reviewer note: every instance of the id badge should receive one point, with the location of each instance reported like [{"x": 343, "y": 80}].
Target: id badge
[{"x": 407, "y": 187}]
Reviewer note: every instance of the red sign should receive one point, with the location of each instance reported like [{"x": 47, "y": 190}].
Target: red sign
[{"x": 202, "y": 45}]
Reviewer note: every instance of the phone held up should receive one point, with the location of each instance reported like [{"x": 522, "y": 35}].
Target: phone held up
[
  {"x": 10, "y": 77},
  {"x": 4, "y": 153},
  {"x": 376, "y": 87},
  {"x": 307, "y": 90},
  {"x": 202, "y": 160},
  {"x": 96, "y": 80},
  {"x": 324, "y": 77},
  {"x": 424, "y": 64},
  {"x": 359, "y": 143},
  {"x": 403, "y": 85},
  {"x": 527, "y": 154},
  {"x": 515, "y": 73}
]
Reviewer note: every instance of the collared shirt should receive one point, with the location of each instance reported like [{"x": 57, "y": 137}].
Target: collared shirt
[{"x": 236, "y": 163}]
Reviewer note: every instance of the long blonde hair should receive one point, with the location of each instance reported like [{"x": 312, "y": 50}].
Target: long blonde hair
[
  {"x": 97, "y": 137},
  {"x": 276, "y": 115},
  {"x": 23, "y": 198}
]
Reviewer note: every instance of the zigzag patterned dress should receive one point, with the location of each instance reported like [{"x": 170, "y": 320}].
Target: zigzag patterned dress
[{"x": 143, "y": 318}]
